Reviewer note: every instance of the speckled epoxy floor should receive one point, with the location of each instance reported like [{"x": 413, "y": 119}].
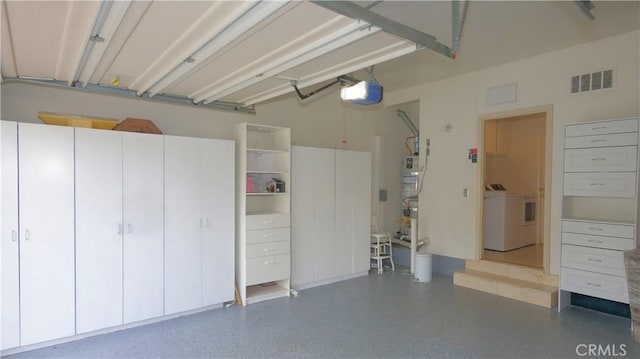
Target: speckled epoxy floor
[{"x": 381, "y": 316}]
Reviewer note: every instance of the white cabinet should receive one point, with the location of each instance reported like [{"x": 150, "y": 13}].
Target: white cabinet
[
  {"x": 199, "y": 222},
  {"x": 600, "y": 208},
  {"x": 330, "y": 215},
  {"x": 10, "y": 330},
  {"x": 99, "y": 229},
  {"x": 143, "y": 206},
  {"x": 119, "y": 228},
  {"x": 46, "y": 192},
  {"x": 263, "y": 185}
]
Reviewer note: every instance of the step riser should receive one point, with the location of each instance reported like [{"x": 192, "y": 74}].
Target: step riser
[
  {"x": 511, "y": 271},
  {"x": 508, "y": 290}
]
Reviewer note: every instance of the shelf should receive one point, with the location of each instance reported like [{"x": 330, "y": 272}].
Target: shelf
[
  {"x": 274, "y": 172},
  {"x": 261, "y": 292},
  {"x": 264, "y": 150},
  {"x": 598, "y": 220},
  {"x": 266, "y": 193},
  {"x": 261, "y": 213}
]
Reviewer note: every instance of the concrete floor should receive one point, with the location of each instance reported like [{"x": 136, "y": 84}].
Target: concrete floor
[{"x": 382, "y": 316}]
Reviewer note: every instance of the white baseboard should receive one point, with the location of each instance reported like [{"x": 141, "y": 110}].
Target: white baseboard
[{"x": 329, "y": 281}]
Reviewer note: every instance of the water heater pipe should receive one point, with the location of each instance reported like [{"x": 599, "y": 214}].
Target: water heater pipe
[{"x": 414, "y": 130}]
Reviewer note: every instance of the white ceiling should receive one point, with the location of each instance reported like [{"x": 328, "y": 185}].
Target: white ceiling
[{"x": 226, "y": 51}]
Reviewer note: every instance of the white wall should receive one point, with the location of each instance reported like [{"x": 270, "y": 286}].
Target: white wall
[
  {"x": 450, "y": 219},
  {"x": 321, "y": 121}
]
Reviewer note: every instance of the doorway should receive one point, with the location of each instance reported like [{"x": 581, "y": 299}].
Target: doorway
[{"x": 515, "y": 174}]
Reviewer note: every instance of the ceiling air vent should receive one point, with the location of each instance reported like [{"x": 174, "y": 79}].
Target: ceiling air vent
[{"x": 599, "y": 80}]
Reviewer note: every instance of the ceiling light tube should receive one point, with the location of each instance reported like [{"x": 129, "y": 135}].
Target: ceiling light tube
[
  {"x": 106, "y": 24},
  {"x": 247, "y": 21},
  {"x": 403, "y": 48},
  {"x": 318, "y": 48}
]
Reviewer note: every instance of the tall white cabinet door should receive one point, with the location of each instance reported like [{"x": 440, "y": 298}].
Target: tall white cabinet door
[
  {"x": 99, "y": 227},
  {"x": 47, "y": 307},
  {"x": 218, "y": 211},
  {"x": 324, "y": 206},
  {"x": 183, "y": 223},
  {"x": 143, "y": 249},
  {"x": 303, "y": 213},
  {"x": 10, "y": 329},
  {"x": 353, "y": 213}
]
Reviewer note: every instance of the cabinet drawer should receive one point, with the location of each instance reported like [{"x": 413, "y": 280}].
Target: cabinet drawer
[
  {"x": 268, "y": 249},
  {"x": 268, "y": 235},
  {"x": 618, "y": 139},
  {"x": 268, "y": 269},
  {"x": 599, "y": 229},
  {"x": 594, "y": 284},
  {"x": 602, "y": 128},
  {"x": 598, "y": 260},
  {"x": 616, "y": 184},
  {"x": 609, "y": 159},
  {"x": 615, "y": 243},
  {"x": 266, "y": 221}
]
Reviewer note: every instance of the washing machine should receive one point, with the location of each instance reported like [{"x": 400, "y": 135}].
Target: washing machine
[{"x": 503, "y": 214}]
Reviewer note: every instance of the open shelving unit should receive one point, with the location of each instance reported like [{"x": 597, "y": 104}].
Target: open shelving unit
[{"x": 263, "y": 259}]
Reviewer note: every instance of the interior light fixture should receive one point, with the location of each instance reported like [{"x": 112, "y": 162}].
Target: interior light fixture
[
  {"x": 107, "y": 21},
  {"x": 337, "y": 39},
  {"x": 239, "y": 26},
  {"x": 362, "y": 93}
]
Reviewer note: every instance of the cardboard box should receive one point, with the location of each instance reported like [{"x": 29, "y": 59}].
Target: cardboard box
[
  {"x": 138, "y": 125},
  {"x": 61, "y": 119}
]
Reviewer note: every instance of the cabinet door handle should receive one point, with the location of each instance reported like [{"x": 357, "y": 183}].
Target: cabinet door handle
[
  {"x": 594, "y": 241},
  {"x": 598, "y": 159},
  {"x": 599, "y": 128},
  {"x": 269, "y": 262},
  {"x": 594, "y": 284},
  {"x": 595, "y": 229},
  {"x": 129, "y": 228},
  {"x": 14, "y": 235},
  {"x": 268, "y": 235},
  {"x": 594, "y": 260},
  {"x": 269, "y": 249},
  {"x": 599, "y": 140},
  {"x": 267, "y": 222},
  {"x": 27, "y": 234},
  {"x": 119, "y": 228},
  {"x": 596, "y": 184}
]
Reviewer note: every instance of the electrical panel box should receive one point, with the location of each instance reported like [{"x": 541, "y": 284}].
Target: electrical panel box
[{"x": 410, "y": 166}]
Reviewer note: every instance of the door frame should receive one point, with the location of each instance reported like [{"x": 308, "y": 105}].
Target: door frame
[{"x": 546, "y": 233}]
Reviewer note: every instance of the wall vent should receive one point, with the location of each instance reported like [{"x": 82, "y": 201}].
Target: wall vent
[{"x": 599, "y": 80}]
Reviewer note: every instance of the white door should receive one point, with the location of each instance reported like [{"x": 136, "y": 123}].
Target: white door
[
  {"x": 143, "y": 213},
  {"x": 303, "y": 213},
  {"x": 183, "y": 223},
  {"x": 324, "y": 199},
  {"x": 10, "y": 329},
  {"x": 218, "y": 212},
  {"x": 353, "y": 212},
  {"x": 47, "y": 307},
  {"x": 98, "y": 175}
]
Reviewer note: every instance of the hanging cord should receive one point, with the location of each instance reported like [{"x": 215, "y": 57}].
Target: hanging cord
[
  {"x": 370, "y": 71},
  {"x": 424, "y": 171}
]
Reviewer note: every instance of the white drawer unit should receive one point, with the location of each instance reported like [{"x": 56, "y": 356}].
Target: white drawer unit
[
  {"x": 618, "y": 139},
  {"x": 600, "y": 184},
  {"x": 268, "y": 269},
  {"x": 600, "y": 229},
  {"x": 266, "y": 221},
  {"x": 615, "y": 243},
  {"x": 597, "y": 260},
  {"x": 602, "y": 127},
  {"x": 609, "y": 159},
  {"x": 594, "y": 284},
  {"x": 600, "y": 208},
  {"x": 268, "y": 249},
  {"x": 268, "y": 235}
]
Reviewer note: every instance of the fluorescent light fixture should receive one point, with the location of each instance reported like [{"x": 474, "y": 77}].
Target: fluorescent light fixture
[
  {"x": 387, "y": 53},
  {"x": 348, "y": 34},
  {"x": 362, "y": 93},
  {"x": 239, "y": 26},
  {"x": 107, "y": 21}
]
